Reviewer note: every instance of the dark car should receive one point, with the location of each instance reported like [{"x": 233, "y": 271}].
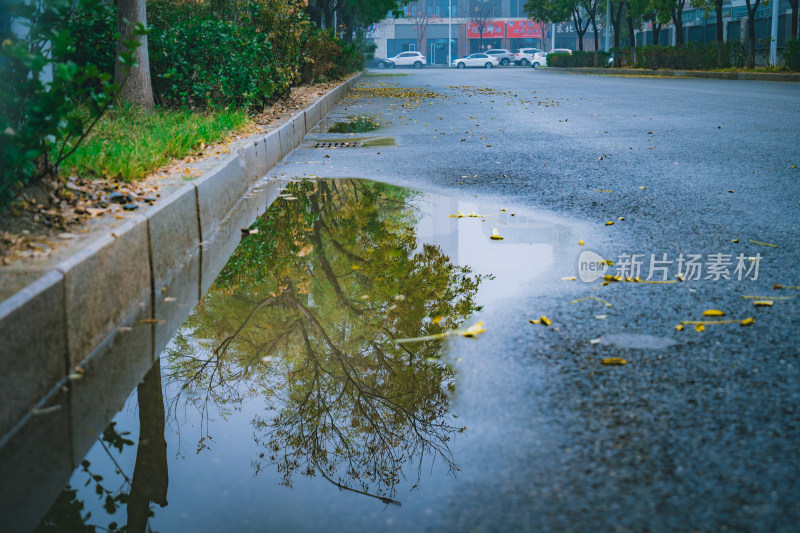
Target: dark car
[{"x": 380, "y": 63}]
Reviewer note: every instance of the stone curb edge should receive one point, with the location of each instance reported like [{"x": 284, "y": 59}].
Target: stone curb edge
[
  {"x": 124, "y": 294},
  {"x": 749, "y": 76}
]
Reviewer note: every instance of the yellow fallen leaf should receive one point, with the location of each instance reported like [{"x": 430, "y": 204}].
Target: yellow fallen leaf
[
  {"x": 768, "y": 297},
  {"x": 532, "y": 321},
  {"x": 713, "y": 312},
  {"x": 621, "y": 218},
  {"x": 594, "y": 341},
  {"x": 473, "y": 330},
  {"x": 747, "y": 321},
  {"x": 356, "y": 267},
  {"x": 679, "y": 327},
  {"x": 763, "y": 303},
  {"x": 642, "y": 188},
  {"x": 613, "y": 361},
  {"x": 602, "y": 190},
  {"x": 735, "y": 241},
  {"x": 545, "y": 321},
  {"x": 610, "y": 223},
  {"x": 580, "y": 242},
  {"x": 568, "y": 278},
  {"x": 496, "y": 235},
  {"x": 700, "y": 327},
  {"x": 437, "y": 319},
  {"x": 764, "y": 243}
]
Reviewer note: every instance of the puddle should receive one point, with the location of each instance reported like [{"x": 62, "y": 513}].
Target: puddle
[
  {"x": 288, "y": 404},
  {"x": 356, "y": 124}
]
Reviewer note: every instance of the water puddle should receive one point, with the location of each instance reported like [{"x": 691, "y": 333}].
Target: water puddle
[{"x": 284, "y": 401}]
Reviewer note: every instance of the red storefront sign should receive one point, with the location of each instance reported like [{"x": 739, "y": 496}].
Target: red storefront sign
[
  {"x": 492, "y": 30},
  {"x": 524, "y": 29}
]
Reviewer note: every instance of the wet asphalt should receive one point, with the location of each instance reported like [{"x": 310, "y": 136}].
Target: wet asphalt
[{"x": 699, "y": 431}]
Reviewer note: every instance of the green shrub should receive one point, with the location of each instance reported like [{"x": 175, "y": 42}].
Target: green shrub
[
  {"x": 792, "y": 54},
  {"x": 41, "y": 119},
  {"x": 210, "y": 64},
  {"x": 577, "y": 59},
  {"x": 327, "y": 57},
  {"x": 691, "y": 56}
]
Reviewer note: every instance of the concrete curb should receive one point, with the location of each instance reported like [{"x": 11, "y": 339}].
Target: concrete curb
[
  {"x": 749, "y": 76},
  {"x": 81, "y": 331}
]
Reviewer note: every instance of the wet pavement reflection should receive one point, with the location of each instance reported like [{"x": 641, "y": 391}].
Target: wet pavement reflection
[{"x": 284, "y": 400}]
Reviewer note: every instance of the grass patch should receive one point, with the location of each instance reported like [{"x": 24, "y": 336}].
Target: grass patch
[
  {"x": 129, "y": 144},
  {"x": 358, "y": 124}
]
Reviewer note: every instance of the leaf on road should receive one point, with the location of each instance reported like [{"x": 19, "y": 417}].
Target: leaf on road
[
  {"x": 764, "y": 243},
  {"x": 580, "y": 242},
  {"x": 699, "y": 327},
  {"x": 610, "y": 223},
  {"x": 613, "y": 361},
  {"x": 568, "y": 278},
  {"x": 713, "y": 312},
  {"x": 763, "y": 303},
  {"x": 545, "y": 321}
]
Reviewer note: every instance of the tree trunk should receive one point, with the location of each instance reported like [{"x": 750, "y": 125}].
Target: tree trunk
[
  {"x": 136, "y": 86},
  {"x": 629, "y": 20},
  {"x": 794, "y": 34},
  {"x": 720, "y": 34},
  {"x": 656, "y": 30},
  {"x": 615, "y": 23},
  {"x": 751, "y": 42},
  {"x": 677, "y": 19},
  {"x": 150, "y": 476}
]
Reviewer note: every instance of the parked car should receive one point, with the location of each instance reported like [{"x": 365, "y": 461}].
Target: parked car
[
  {"x": 523, "y": 56},
  {"x": 539, "y": 59},
  {"x": 476, "y": 60},
  {"x": 380, "y": 63},
  {"x": 409, "y": 59},
  {"x": 561, "y": 51},
  {"x": 504, "y": 56}
]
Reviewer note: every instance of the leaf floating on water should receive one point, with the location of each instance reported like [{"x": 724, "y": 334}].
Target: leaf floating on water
[
  {"x": 470, "y": 332},
  {"x": 534, "y": 321},
  {"x": 473, "y": 331},
  {"x": 170, "y": 299},
  {"x": 764, "y": 243},
  {"x": 713, "y": 312},
  {"x": 496, "y": 235},
  {"x": 763, "y": 303},
  {"x": 580, "y": 242},
  {"x": 613, "y": 361},
  {"x": 545, "y": 321},
  {"x": 699, "y": 327}
]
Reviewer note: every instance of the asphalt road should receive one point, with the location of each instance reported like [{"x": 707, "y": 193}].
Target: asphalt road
[{"x": 699, "y": 431}]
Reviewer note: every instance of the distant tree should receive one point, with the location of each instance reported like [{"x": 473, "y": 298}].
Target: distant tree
[
  {"x": 676, "y": 10},
  {"x": 716, "y": 5},
  {"x": 481, "y": 14},
  {"x": 752, "y": 7},
  {"x": 417, "y": 12},
  {"x": 616, "y": 7}
]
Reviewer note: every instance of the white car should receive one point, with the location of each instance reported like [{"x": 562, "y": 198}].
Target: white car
[
  {"x": 409, "y": 59},
  {"x": 476, "y": 60},
  {"x": 524, "y": 56},
  {"x": 539, "y": 59}
]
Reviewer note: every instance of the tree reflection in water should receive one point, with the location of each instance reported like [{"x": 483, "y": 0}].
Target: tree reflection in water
[{"x": 305, "y": 315}]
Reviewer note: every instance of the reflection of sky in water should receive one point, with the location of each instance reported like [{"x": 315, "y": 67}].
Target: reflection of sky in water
[
  {"x": 525, "y": 252},
  {"x": 213, "y": 486}
]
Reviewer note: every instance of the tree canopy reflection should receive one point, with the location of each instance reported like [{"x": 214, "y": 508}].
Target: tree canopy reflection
[{"x": 305, "y": 315}]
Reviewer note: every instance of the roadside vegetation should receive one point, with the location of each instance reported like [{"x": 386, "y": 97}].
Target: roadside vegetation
[
  {"x": 96, "y": 89},
  {"x": 626, "y": 15}
]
